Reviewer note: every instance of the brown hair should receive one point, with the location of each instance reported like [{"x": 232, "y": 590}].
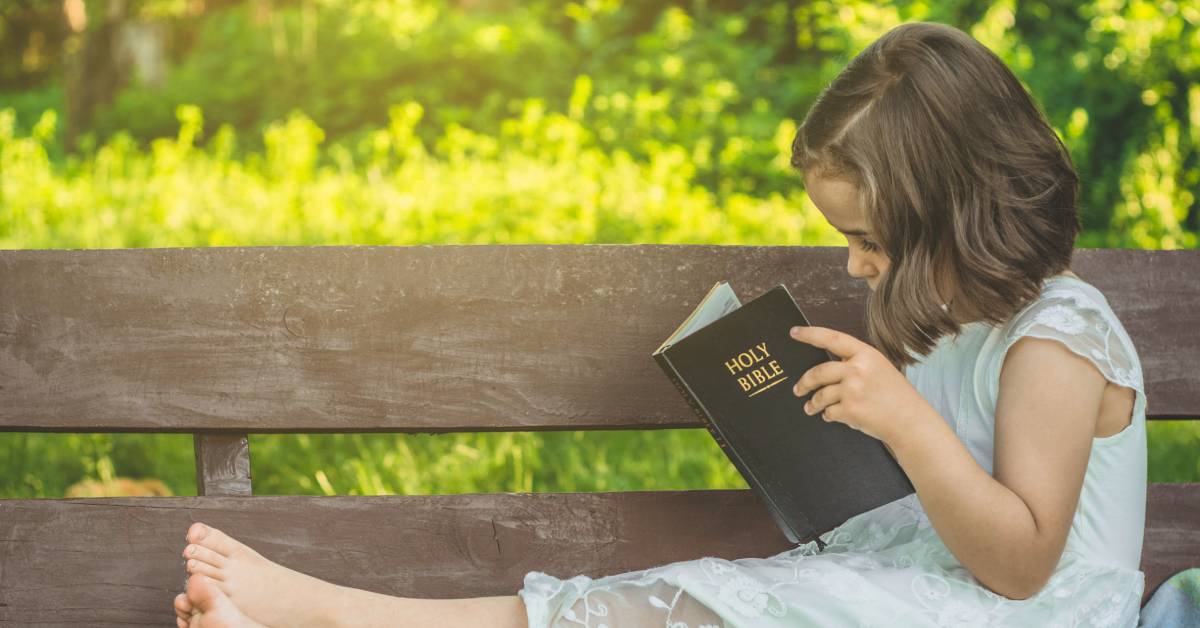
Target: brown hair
[{"x": 960, "y": 178}]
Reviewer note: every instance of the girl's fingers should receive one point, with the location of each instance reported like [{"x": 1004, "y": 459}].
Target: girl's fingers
[
  {"x": 823, "y": 374},
  {"x": 825, "y": 397},
  {"x": 841, "y": 344}
]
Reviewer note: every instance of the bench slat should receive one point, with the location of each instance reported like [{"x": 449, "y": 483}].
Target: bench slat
[
  {"x": 440, "y": 338},
  {"x": 222, "y": 464},
  {"x": 118, "y": 561}
]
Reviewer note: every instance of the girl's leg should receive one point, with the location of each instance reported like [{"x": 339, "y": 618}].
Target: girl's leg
[
  {"x": 658, "y": 603},
  {"x": 364, "y": 608},
  {"x": 274, "y": 595}
]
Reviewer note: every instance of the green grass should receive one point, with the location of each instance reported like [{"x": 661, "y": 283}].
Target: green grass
[
  {"x": 45, "y": 465},
  {"x": 403, "y": 464}
]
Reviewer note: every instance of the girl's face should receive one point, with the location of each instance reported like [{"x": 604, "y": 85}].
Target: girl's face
[{"x": 837, "y": 200}]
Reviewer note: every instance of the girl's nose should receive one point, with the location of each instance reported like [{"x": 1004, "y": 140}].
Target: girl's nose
[{"x": 859, "y": 268}]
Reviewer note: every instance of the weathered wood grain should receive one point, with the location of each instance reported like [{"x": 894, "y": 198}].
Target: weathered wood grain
[
  {"x": 117, "y": 562},
  {"x": 1172, "y": 541},
  {"x": 222, "y": 464},
  {"x": 441, "y": 338}
]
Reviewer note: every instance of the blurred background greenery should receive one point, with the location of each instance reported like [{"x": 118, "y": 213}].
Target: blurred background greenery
[{"x": 153, "y": 123}]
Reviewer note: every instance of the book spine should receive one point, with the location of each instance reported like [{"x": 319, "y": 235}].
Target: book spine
[
  {"x": 792, "y": 535},
  {"x": 696, "y": 407}
]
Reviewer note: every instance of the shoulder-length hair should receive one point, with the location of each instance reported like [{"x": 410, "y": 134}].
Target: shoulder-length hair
[{"x": 961, "y": 180}]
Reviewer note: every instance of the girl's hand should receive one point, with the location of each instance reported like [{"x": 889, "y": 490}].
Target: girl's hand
[{"x": 863, "y": 389}]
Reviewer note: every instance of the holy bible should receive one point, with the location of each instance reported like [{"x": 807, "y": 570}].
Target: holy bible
[{"x": 735, "y": 365}]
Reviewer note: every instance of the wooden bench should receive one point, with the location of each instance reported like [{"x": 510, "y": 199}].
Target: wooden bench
[{"x": 223, "y": 342}]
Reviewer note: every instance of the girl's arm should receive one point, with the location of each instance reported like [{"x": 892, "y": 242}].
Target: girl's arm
[{"x": 1008, "y": 529}]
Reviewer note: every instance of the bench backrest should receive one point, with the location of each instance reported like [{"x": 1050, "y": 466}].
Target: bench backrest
[{"x": 226, "y": 341}]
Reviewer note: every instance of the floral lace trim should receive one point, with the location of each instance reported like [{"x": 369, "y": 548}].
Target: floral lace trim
[
  {"x": 1086, "y": 326},
  {"x": 940, "y": 592}
]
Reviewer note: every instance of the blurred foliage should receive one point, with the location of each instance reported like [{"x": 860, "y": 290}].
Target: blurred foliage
[
  {"x": 1174, "y": 451},
  {"x": 1119, "y": 80},
  {"x": 47, "y": 465},
  {"x": 381, "y": 464},
  {"x": 424, "y": 121}
]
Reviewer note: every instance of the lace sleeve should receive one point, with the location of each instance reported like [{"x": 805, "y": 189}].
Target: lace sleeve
[{"x": 1087, "y": 326}]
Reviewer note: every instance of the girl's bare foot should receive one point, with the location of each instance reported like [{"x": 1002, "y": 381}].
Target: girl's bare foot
[
  {"x": 266, "y": 592},
  {"x": 279, "y": 597},
  {"x": 206, "y": 606}
]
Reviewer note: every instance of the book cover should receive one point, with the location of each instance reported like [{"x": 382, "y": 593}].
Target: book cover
[{"x": 735, "y": 365}]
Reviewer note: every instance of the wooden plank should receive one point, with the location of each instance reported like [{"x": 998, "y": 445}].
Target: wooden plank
[
  {"x": 117, "y": 561},
  {"x": 440, "y": 338},
  {"x": 222, "y": 464}
]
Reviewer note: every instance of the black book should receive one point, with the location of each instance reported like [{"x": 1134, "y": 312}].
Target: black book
[{"x": 736, "y": 365}]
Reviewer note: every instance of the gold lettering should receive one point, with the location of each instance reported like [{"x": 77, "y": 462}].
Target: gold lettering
[{"x": 757, "y": 374}]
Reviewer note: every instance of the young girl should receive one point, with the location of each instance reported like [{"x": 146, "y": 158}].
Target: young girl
[{"x": 1003, "y": 383}]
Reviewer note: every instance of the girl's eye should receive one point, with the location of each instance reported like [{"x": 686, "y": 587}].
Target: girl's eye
[{"x": 868, "y": 246}]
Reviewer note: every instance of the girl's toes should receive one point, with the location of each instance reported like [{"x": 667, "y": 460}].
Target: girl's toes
[
  {"x": 183, "y": 607},
  {"x": 213, "y": 539},
  {"x": 196, "y": 567},
  {"x": 216, "y": 609},
  {"x": 203, "y": 593},
  {"x": 204, "y": 555}
]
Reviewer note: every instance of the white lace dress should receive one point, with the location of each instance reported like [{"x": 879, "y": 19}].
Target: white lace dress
[{"x": 887, "y": 567}]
